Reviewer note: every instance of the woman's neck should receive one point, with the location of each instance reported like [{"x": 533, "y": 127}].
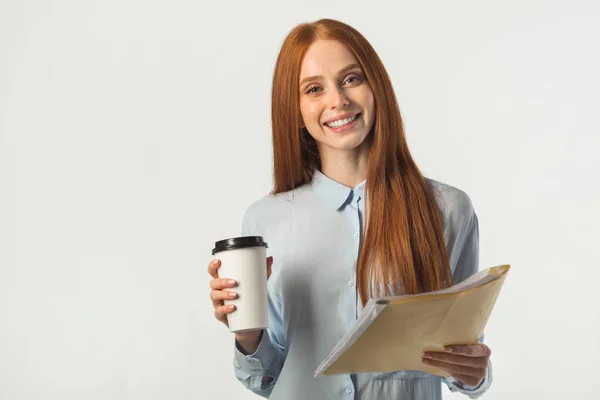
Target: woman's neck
[{"x": 346, "y": 167}]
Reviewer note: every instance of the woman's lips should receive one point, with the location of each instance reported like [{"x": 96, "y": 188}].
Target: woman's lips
[{"x": 345, "y": 127}]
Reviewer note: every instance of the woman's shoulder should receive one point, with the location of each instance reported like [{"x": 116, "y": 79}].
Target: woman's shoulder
[
  {"x": 454, "y": 203},
  {"x": 272, "y": 207}
]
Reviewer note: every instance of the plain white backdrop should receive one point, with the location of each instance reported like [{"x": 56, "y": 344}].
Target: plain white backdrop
[{"x": 134, "y": 134}]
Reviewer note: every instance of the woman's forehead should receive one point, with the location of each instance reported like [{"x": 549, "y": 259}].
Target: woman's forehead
[{"x": 326, "y": 58}]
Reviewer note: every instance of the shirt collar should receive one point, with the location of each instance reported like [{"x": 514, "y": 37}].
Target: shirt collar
[{"x": 334, "y": 193}]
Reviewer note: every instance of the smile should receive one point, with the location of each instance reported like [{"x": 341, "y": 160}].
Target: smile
[{"x": 340, "y": 123}]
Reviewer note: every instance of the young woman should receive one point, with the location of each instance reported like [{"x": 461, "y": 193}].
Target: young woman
[{"x": 350, "y": 217}]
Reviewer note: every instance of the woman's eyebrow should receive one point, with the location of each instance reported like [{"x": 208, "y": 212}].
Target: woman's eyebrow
[{"x": 341, "y": 72}]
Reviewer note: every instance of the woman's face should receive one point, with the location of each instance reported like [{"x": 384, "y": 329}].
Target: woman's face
[{"x": 336, "y": 102}]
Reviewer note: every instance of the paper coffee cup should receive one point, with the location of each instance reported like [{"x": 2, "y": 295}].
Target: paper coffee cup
[{"x": 244, "y": 259}]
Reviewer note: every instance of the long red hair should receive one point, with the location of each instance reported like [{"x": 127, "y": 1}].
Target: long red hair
[{"x": 404, "y": 244}]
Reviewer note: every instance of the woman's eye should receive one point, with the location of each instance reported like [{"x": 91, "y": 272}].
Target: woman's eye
[
  {"x": 349, "y": 80},
  {"x": 312, "y": 89}
]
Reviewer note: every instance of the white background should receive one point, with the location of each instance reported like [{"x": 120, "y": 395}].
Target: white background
[{"x": 133, "y": 134}]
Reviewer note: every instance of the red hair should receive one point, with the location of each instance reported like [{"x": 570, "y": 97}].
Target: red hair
[{"x": 404, "y": 243}]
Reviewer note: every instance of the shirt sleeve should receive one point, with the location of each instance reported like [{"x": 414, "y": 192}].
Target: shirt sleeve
[
  {"x": 259, "y": 371},
  {"x": 468, "y": 264}
]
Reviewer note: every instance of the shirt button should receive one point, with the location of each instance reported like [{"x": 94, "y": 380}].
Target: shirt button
[
  {"x": 349, "y": 390},
  {"x": 351, "y": 284},
  {"x": 355, "y": 234}
]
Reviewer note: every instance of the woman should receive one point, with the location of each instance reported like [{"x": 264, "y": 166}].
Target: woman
[{"x": 350, "y": 217}]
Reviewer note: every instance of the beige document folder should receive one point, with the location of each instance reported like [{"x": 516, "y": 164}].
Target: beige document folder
[{"x": 392, "y": 333}]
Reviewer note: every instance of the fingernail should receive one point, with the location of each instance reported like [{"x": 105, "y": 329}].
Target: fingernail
[
  {"x": 231, "y": 307},
  {"x": 230, "y": 282},
  {"x": 426, "y": 361},
  {"x": 215, "y": 262},
  {"x": 232, "y": 294},
  {"x": 425, "y": 355},
  {"x": 448, "y": 349}
]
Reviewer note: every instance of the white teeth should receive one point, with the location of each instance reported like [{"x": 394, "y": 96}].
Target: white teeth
[{"x": 341, "y": 122}]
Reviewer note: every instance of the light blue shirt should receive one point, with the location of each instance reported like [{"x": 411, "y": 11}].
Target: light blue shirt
[{"x": 314, "y": 233}]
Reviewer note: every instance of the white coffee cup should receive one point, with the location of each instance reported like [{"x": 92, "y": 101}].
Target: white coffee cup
[{"x": 244, "y": 259}]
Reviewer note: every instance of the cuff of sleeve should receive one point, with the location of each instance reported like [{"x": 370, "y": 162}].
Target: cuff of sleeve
[
  {"x": 257, "y": 363},
  {"x": 472, "y": 391},
  {"x": 260, "y": 359}
]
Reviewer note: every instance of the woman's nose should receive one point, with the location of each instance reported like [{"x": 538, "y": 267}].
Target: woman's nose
[{"x": 338, "y": 98}]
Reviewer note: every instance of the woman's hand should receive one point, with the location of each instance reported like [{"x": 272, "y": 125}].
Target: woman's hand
[
  {"x": 467, "y": 364},
  {"x": 218, "y": 295}
]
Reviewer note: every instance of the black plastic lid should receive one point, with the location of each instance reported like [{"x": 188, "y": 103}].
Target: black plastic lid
[{"x": 238, "y": 243}]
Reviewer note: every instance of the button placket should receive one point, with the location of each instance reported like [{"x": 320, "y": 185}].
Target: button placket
[{"x": 356, "y": 236}]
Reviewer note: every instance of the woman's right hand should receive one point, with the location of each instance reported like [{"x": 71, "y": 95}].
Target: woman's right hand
[{"x": 218, "y": 295}]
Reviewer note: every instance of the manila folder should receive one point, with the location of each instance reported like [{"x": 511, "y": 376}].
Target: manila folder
[{"x": 392, "y": 332}]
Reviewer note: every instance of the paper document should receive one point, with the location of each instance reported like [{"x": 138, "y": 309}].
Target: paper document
[{"x": 392, "y": 333}]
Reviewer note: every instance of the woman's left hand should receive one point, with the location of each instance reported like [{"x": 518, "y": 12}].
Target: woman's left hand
[{"x": 467, "y": 364}]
